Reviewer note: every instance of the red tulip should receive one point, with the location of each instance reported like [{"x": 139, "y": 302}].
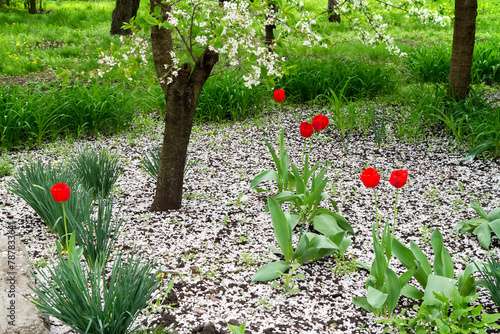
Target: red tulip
[
  {"x": 398, "y": 178},
  {"x": 279, "y": 95},
  {"x": 60, "y": 192},
  {"x": 306, "y": 129},
  {"x": 320, "y": 122},
  {"x": 370, "y": 177}
]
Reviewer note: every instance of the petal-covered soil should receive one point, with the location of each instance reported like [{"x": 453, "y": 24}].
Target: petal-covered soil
[{"x": 213, "y": 245}]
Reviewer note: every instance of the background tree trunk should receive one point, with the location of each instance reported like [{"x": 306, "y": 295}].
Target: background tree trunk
[
  {"x": 464, "y": 33},
  {"x": 332, "y": 15},
  {"x": 182, "y": 97},
  {"x": 32, "y": 7},
  {"x": 123, "y": 12},
  {"x": 269, "y": 40}
]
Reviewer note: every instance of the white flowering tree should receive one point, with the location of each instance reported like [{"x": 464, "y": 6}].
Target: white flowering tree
[
  {"x": 230, "y": 34},
  {"x": 218, "y": 35}
]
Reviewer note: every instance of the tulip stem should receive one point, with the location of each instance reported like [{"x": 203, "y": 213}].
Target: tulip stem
[
  {"x": 376, "y": 214},
  {"x": 65, "y": 228},
  {"x": 395, "y": 212},
  {"x": 303, "y": 156}
]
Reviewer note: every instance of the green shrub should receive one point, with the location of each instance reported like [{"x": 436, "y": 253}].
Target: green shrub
[
  {"x": 429, "y": 64},
  {"x": 491, "y": 278},
  {"x": 225, "y": 97},
  {"x": 98, "y": 305},
  {"x": 151, "y": 161},
  {"x": 31, "y": 115},
  {"x": 33, "y": 182},
  {"x": 98, "y": 234},
  {"x": 320, "y": 76},
  {"x": 96, "y": 171}
]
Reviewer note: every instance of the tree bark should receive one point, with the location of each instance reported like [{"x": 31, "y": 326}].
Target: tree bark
[
  {"x": 464, "y": 33},
  {"x": 332, "y": 15},
  {"x": 32, "y": 7},
  {"x": 269, "y": 40},
  {"x": 181, "y": 96},
  {"x": 123, "y": 12}
]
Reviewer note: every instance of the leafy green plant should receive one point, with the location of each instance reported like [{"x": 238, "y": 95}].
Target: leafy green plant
[
  {"x": 446, "y": 314},
  {"x": 31, "y": 115},
  {"x": 6, "y": 168},
  {"x": 98, "y": 234},
  {"x": 151, "y": 162},
  {"x": 237, "y": 329},
  {"x": 96, "y": 171},
  {"x": 482, "y": 226},
  {"x": 288, "y": 281},
  {"x": 33, "y": 183},
  {"x": 315, "y": 77},
  {"x": 491, "y": 278},
  {"x": 98, "y": 305},
  {"x": 429, "y": 64},
  {"x": 378, "y": 126},
  {"x": 283, "y": 178},
  {"x": 227, "y": 98},
  {"x": 311, "y": 246}
]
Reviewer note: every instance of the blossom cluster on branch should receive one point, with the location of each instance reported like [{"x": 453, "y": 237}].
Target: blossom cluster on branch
[{"x": 235, "y": 31}]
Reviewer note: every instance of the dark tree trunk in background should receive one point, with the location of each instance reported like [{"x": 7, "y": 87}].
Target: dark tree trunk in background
[
  {"x": 464, "y": 33},
  {"x": 182, "y": 97},
  {"x": 32, "y": 7},
  {"x": 270, "y": 30},
  {"x": 332, "y": 15},
  {"x": 123, "y": 12}
]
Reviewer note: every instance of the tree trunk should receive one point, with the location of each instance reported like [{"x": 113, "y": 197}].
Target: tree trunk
[
  {"x": 123, "y": 12},
  {"x": 182, "y": 97},
  {"x": 332, "y": 15},
  {"x": 464, "y": 33},
  {"x": 270, "y": 30},
  {"x": 32, "y": 7}
]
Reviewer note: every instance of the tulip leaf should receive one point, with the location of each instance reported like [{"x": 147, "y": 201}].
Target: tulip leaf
[
  {"x": 299, "y": 184},
  {"x": 362, "y": 302},
  {"x": 316, "y": 193},
  {"x": 408, "y": 259},
  {"x": 439, "y": 285},
  {"x": 410, "y": 291},
  {"x": 320, "y": 241},
  {"x": 394, "y": 289},
  {"x": 270, "y": 271},
  {"x": 479, "y": 210},
  {"x": 282, "y": 230},
  {"x": 341, "y": 241},
  {"x": 343, "y": 223},
  {"x": 273, "y": 154},
  {"x": 483, "y": 233},
  {"x": 268, "y": 175},
  {"x": 302, "y": 246},
  {"x": 326, "y": 224},
  {"x": 443, "y": 264},
  {"x": 375, "y": 298},
  {"x": 421, "y": 258},
  {"x": 494, "y": 214},
  {"x": 495, "y": 227}
]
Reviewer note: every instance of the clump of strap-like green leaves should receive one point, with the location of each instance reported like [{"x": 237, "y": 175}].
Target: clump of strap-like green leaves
[
  {"x": 482, "y": 226},
  {"x": 303, "y": 194}
]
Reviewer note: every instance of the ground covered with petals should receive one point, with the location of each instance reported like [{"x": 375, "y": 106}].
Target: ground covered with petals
[{"x": 213, "y": 245}]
